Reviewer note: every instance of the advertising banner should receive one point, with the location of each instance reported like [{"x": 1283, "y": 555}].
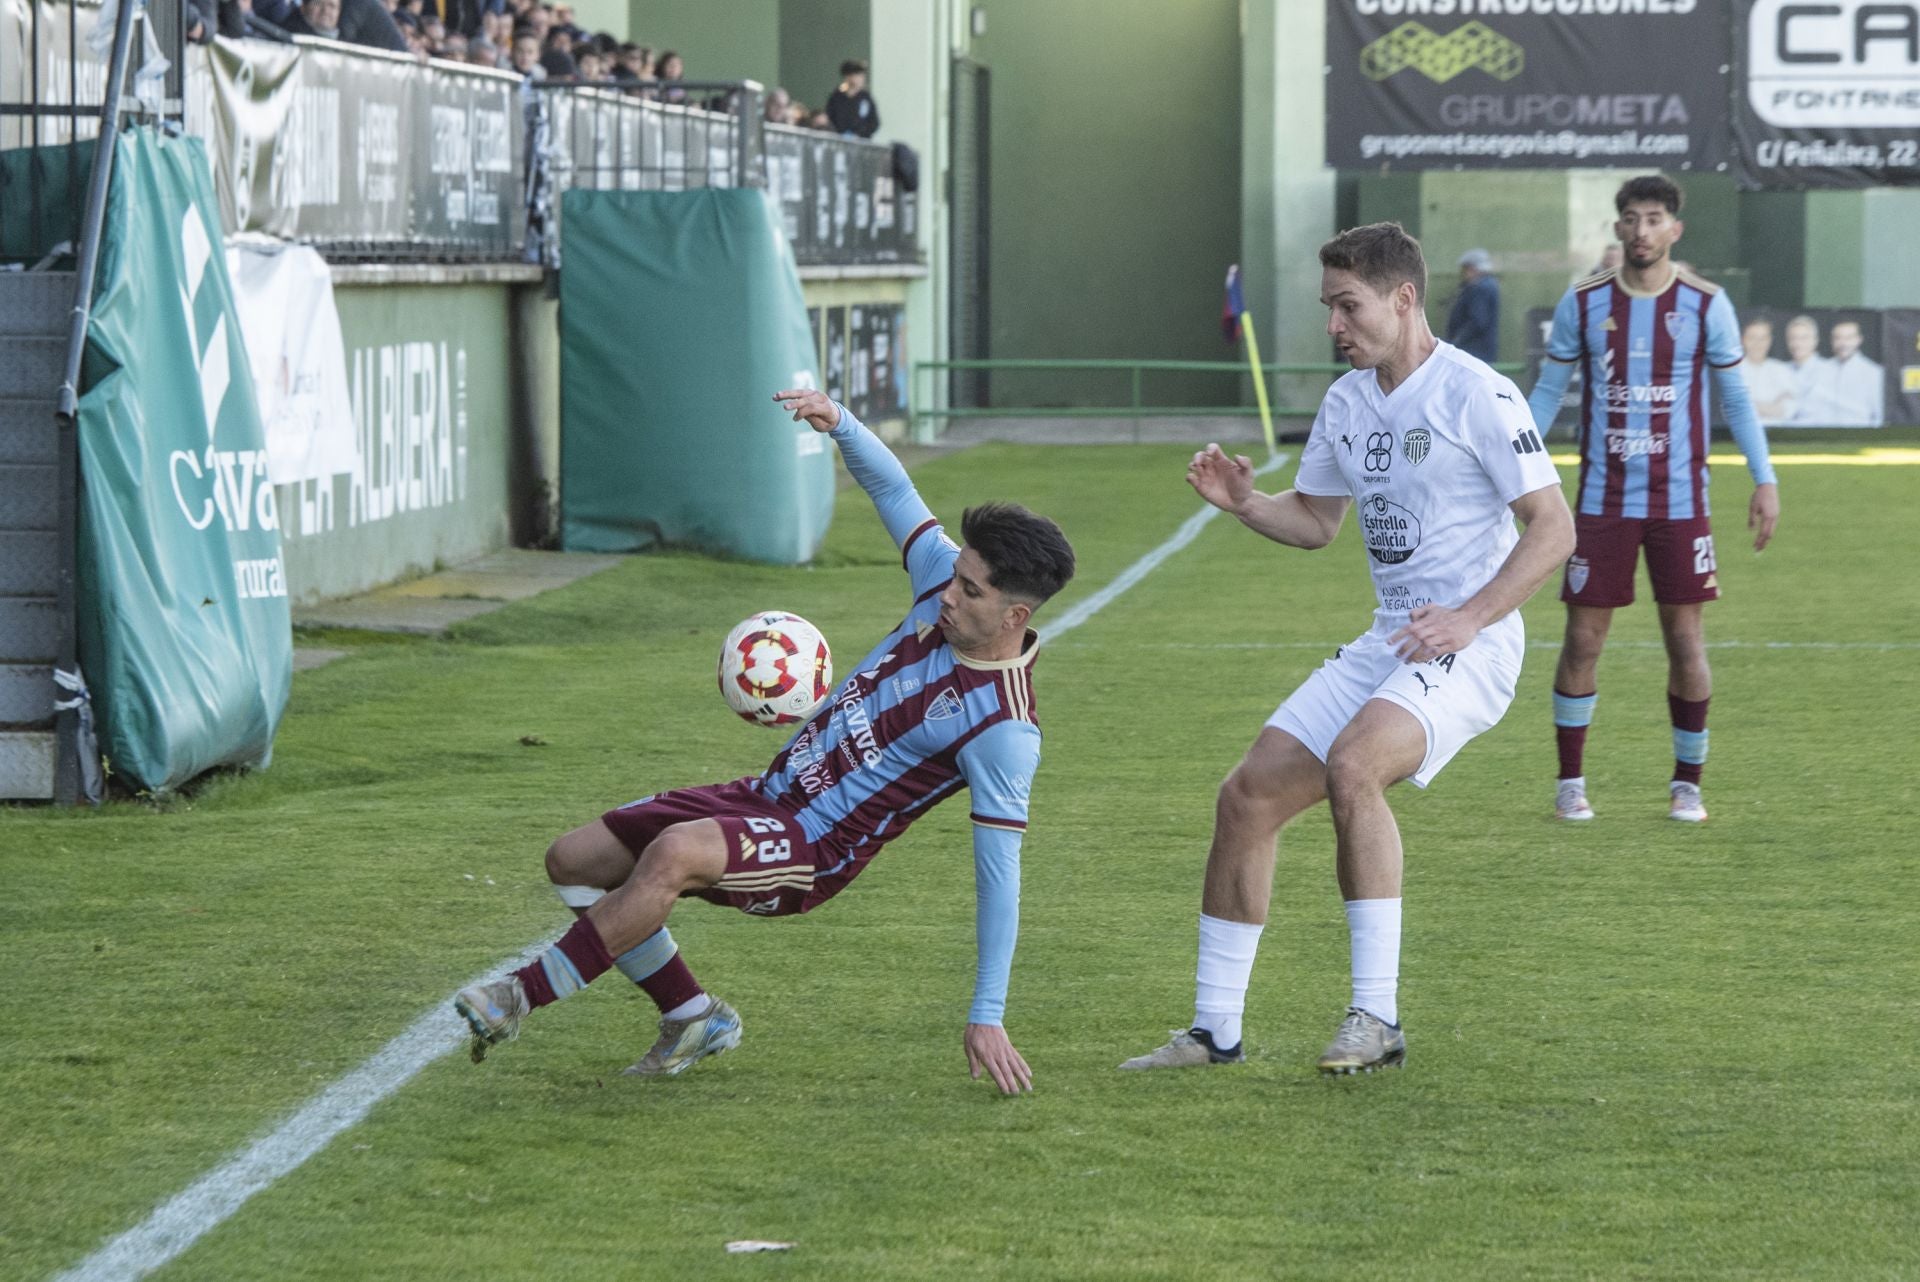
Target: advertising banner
[
  {"x": 1441, "y": 84},
  {"x": 284, "y": 297},
  {"x": 839, "y": 201},
  {"x": 1817, "y": 367},
  {"x": 1827, "y": 95},
  {"x": 184, "y": 626},
  {"x": 361, "y": 148},
  {"x": 1901, "y": 330}
]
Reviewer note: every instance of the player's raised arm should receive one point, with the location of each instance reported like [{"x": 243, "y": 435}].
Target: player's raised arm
[
  {"x": 870, "y": 462},
  {"x": 1291, "y": 517}
]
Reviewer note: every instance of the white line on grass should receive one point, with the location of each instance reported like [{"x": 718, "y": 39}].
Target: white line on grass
[
  {"x": 184, "y": 1218},
  {"x": 1189, "y": 531},
  {"x": 1544, "y": 645}
]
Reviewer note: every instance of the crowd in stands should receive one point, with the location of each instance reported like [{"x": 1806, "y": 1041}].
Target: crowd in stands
[{"x": 539, "y": 40}]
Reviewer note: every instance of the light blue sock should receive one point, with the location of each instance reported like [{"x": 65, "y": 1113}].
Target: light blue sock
[{"x": 647, "y": 956}]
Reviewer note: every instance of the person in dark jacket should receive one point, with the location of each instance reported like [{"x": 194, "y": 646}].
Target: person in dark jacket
[
  {"x": 851, "y": 110},
  {"x": 357, "y": 22},
  {"x": 1473, "y": 325}
]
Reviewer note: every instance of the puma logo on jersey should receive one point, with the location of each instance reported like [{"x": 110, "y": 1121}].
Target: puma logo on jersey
[{"x": 1425, "y": 686}]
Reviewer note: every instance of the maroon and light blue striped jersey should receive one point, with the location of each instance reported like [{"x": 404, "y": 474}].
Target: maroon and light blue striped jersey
[{"x": 1645, "y": 400}]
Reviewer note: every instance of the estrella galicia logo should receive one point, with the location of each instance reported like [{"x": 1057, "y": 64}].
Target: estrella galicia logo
[
  {"x": 1391, "y": 531},
  {"x": 1379, "y": 451},
  {"x": 1415, "y": 445},
  {"x": 945, "y": 704}
]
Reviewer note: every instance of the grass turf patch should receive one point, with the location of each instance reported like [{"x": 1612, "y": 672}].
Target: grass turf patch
[{"x": 1636, "y": 1048}]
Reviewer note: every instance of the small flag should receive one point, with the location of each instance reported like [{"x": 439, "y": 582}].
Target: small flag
[{"x": 1232, "y": 306}]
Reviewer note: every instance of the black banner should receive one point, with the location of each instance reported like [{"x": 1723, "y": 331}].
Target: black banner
[
  {"x": 1442, "y": 84},
  {"x": 1901, "y": 330},
  {"x": 838, "y": 198},
  {"x": 1827, "y": 95},
  {"x": 361, "y": 150}
]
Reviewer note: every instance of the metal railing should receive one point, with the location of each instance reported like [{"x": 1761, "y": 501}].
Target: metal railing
[{"x": 1136, "y": 406}]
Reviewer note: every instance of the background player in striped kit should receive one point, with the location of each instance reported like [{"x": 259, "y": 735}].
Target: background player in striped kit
[
  {"x": 1647, "y": 332},
  {"x": 944, "y": 702}
]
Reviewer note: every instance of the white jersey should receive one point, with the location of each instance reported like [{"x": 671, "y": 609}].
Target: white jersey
[{"x": 1431, "y": 470}]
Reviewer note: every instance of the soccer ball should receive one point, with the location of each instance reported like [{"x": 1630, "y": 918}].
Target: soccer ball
[{"x": 775, "y": 668}]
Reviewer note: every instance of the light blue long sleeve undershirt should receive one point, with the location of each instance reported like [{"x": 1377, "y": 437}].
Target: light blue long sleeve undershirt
[
  {"x": 873, "y": 466},
  {"x": 996, "y": 851}
]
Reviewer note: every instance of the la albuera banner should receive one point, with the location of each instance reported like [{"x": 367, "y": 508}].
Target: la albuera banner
[
  {"x": 1526, "y": 84},
  {"x": 184, "y": 627}
]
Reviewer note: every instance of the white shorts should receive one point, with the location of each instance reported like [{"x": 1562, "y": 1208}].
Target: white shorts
[{"x": 1455, "y": 697}]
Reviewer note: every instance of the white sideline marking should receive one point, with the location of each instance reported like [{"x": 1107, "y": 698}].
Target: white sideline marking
[
  {"x": 184, "y": 1218},
  {"x": 1189, "y": 531},
  {"x": 203, "y": 1205},
  {"x": 1544, "y": 645}
]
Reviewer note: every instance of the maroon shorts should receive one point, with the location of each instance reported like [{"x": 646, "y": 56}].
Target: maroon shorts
[
  {"x": 770, "y": 862},
  {"x": 1679, "y": 560}
]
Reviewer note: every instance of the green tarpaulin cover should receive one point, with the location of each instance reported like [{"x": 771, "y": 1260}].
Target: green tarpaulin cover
[
  {"x": 184, "y": 630},
  {"x": 680, "y": 316}
]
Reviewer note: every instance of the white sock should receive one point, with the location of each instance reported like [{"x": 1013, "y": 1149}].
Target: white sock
[
  {"x": 689, "y": 1008},
  {"x": 1373, "y": 927},
  {"x": 1220, "y": 980}
]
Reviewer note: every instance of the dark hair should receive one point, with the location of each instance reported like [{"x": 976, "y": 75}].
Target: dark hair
[
  {"x": 1026, "y": 554},
  {"x": 661, "y": 59},
  {"x": 1381, "y": 254},
  {"x": 853, "y": 67},
  {"x": 1648, "y": 187}
]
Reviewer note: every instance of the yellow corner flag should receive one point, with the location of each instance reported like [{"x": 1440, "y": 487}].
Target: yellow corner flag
[{"x": 1233, "y": 319}]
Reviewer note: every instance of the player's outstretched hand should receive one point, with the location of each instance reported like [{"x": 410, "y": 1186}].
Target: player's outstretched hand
[
  {"x": 1222, "y": 481},
  {"x": 989, "y": 1049},
  {"x": 1763, "y": 513},
  {"x": 811, "y": 405},
  {"x": 1431, "y": 631}
]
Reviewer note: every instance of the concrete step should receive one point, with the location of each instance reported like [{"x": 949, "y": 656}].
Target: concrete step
[
  {"x": 31, "y": 366},
  {"x": 28, "y": 433},
  {"x": 29, "y": 629},
  {"x": 28, "y": 497},
  {"x": 29, "y": 563},
  {"x": 26, "y": 696},
  {"x": 36, "y": 303},
  {"x": 26, "y": 765}
]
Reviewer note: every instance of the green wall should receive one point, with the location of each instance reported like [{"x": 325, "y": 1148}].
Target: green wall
[
  {"x": 734, "y": 40},
  {"x": 428, "y": 368},
  {"x": 1115, "y": 188},
  {"x": 816, "y": 36}
]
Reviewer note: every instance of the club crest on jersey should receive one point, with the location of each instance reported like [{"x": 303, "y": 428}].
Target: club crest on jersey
[
  {"x": 1577, "y": 570},
  {"x": 1415, "y": 445},
  {"x": 1673, "y": 321},
  {"x": 946, "y": 704}
]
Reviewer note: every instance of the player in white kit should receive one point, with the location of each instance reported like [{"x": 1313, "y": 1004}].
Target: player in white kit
[{"x": 1440, "y": 454}]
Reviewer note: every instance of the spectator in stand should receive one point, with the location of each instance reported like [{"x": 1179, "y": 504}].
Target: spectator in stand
[
  {"x": 593, "y": 65},
  {"x": 851, "y": 111},
  {"x": 668, "y": 68},
  {"x": 201, "y": 17},
  {"x": 819, "y": 120},
  {"x": 453, "y": 48},
  {"x": 779, "y": 104},
  {"x": 482, "y": 52},
  {"x": 1610, "y": 259},
  {"x": 316, "y": 18},
  {"x": 632, "y": 62},
  {"x": 526, "y": 54},
  {"x": 1473, "y": 326},
  {"x": 559, "y": 65},
  {"x": 798, "y": 114},
  {"x": 563, "y": 19}
]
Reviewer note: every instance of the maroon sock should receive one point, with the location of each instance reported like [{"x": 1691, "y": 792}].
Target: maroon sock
[
  {"x": 1573, "y": 743},
  {"x": 1689, "y": 717},
  {"x": 671, "y": 985},
  {"x": 577, "y": 960}
]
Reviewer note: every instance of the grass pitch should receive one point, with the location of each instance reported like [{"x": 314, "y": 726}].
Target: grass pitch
[{"x": 1636, "y": 1048}]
